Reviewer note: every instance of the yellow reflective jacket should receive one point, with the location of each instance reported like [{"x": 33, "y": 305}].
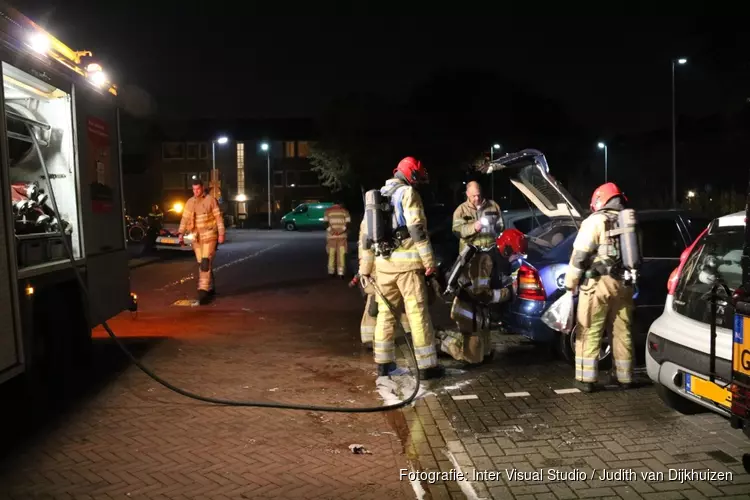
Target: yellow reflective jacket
[
  {"x": 202, "y": 216},
  {"x": 337, "y": 218},
  {"x": 415, "y": 252},
  {"x": 466, "y": 216},
  {"x": 592, "y": 244}
]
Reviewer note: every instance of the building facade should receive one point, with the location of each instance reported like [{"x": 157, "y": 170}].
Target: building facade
[{"x": 241, "y": 164}]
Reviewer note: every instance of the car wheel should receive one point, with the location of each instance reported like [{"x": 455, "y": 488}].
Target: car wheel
[
  {"x": 678, "y": 403},
  {"x": 290, "y": 226},
  {"x": 567, "y": 345}
]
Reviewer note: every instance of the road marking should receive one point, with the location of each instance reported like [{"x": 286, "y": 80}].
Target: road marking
[
  {"x": 567, "y": 391},
  {"x": 516, "y": 394},
  {"x": 187, "y": 303},
  {"x": 223, "y": 266},
  {"x": 466, "y": 487},
  {"x": 461, "y": 397}
]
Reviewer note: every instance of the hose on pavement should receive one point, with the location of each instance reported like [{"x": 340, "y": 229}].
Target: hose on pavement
[{"x": 221, "y": 401}]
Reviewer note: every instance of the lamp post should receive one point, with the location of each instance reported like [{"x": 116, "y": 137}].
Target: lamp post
[
  {"x": 266, "y": 148},
  {"x": 492, "y": 176},
  {"x": 674, "y": 135},
  {"x": 214, "y": 176},
  {"x": 603, "y": 146}
]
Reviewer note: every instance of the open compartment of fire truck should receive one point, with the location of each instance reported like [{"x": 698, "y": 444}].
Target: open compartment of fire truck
[{"x": 38, "y": 113}]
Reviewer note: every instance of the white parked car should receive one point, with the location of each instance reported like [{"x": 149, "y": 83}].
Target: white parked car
[{"x": 679, "y": 343}]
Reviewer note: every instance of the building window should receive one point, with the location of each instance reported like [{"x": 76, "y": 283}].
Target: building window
[
  {"x": 204, "y": 176},
  {"x": 278, "y": 179},
  {"x": 203, "y": 150},
  {"x": 192, "y": 151},
  {"x": 289, "y": 149},
  {"x": 173, "y": 151},
  {"x": 173, "y": 181},
  {"x": 303, "y": 149},
  {"x": 308, "y": 179}
]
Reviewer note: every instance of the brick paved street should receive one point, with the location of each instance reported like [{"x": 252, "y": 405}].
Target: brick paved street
[{"x": 280, "y": 330}]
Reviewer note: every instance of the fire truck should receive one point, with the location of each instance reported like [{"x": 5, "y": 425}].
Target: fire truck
[{"x": 61, "y": 202}]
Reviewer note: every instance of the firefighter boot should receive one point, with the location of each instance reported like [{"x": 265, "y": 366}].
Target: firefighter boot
[
  {"x": 584, "y": 386},
  {"x": 385, "y": 368},
  {"x": 203, "y": 297},
  {"x": 432, "y": 372}
]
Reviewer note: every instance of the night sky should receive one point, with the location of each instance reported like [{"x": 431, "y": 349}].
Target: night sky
[{"x": 612, "y": 73}]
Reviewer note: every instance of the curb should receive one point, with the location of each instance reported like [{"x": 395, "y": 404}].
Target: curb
[{"x": 142, "y": 261}]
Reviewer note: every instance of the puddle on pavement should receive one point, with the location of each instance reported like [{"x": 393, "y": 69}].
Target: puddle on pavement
[
  {"x": 187, "y": 303},
  {"x": 397, "y": 421}
]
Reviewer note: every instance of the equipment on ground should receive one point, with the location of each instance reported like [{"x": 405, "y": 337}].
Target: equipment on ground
[{"x": 453, "y": 283}]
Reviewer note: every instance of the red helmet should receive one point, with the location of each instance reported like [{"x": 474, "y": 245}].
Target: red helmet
[
  {"x": 412, "y": 170},
  {"x": 512, "y": 241},
  {"x": 603, "y": 194}
]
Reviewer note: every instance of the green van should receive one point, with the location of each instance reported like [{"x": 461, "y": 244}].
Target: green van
[{"x": 306, "y": 216}]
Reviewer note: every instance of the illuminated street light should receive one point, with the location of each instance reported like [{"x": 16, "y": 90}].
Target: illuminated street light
[
  {"x": 603, "y": 146},
  {"x": 691, "y": 194},
  {"x": 266, "y": 148},
  {"x": 680, "y": 61},
  {"x": 220, "y": 140},
  {"x": 492, "y": 175},
  {"x": 241, "y": 198}
]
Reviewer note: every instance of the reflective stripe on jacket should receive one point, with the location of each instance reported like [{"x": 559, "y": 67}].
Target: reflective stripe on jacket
[
  {"x": 337, "y": 218},
  {"x": 202, "y": 217},
  {"x": 592, "y": 244}
]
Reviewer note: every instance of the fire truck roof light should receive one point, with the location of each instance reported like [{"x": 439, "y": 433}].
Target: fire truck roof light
[{"x": 40, "y": 43}]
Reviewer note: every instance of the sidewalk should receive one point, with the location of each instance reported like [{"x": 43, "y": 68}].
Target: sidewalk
[{"x": 525, "y": 430}]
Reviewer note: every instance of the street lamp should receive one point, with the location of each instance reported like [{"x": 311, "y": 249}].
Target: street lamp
[
  {"x": 214, "y": 176},
  {"x": 266, "y": 148},
  {"x": 492, "y": 176},
  {"x": 680, "y": 61},
  {"x": 603, "y": 146}
]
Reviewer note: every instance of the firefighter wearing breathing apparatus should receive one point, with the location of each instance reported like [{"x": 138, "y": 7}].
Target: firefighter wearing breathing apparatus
[
  {"x": 477, "y": 222},
  {"x": 605, "y": 261},
  {"x": 396, "y": 235},
  {"x": 370, "y": 315},
  {"x": 202, "y": 217},
  {"x": 338, "y": 219}
]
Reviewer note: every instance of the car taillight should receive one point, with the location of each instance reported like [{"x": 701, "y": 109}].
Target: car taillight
[
  {"x": 674, "y": 278},
  {"x": 529, "y": 285}
]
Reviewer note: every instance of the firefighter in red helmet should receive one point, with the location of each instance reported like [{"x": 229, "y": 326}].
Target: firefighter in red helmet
[
  {"x": 400, "y": 273},
  {"x": 595, "y": 269}
]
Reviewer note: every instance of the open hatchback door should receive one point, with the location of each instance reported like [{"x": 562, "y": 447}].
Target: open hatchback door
[{"x": 529, "y": 172}]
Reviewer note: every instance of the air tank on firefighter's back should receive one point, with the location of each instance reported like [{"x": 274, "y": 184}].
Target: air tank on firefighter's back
[
  {"x": 631, "y": 253},
  {"x": 373, "y": 224},
  {"x": 21, "y": 153}
]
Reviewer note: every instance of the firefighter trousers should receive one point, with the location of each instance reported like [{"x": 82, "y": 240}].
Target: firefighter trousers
[
  {"x": 336, "y": 248},
  {"x": 204, "y": 254},
  {"x": 602, "y": 302},
  {"x": 408, "y": 290},
  {"x": 474, "y": 341},
  {"x": 369, "y": 320}
]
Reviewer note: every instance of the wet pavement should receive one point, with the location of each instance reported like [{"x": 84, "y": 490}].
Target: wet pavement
[{"x": 281, "y": 330}]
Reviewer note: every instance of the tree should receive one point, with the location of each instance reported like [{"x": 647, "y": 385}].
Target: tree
[{"x": 332, "y": 166}]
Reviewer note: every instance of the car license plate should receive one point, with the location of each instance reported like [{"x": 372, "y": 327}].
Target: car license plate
[
  {"x": 707, "y": 390},
  {"x": 169, "y": 241}
]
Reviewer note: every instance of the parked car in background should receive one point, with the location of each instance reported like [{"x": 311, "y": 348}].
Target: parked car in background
[
  {"x": 539, "y": 276},
  {"x": 306, "y": 216},
  {"x": 678, "y": 346},
  {"x": 168, "y": 238}
]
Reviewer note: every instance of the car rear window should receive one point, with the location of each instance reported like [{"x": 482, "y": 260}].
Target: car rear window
[{"x": 716, "y": 257}]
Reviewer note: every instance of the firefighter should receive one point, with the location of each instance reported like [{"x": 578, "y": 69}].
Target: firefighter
[
  {"x": 400, "y": 276},
  {"x": 202, "y": 217},
  {"x": 370, "y": 314},
  {"x": 477, "y": 221},
  {"x": 337, "y": 217},
  {"x": 595, "y": 273}
]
